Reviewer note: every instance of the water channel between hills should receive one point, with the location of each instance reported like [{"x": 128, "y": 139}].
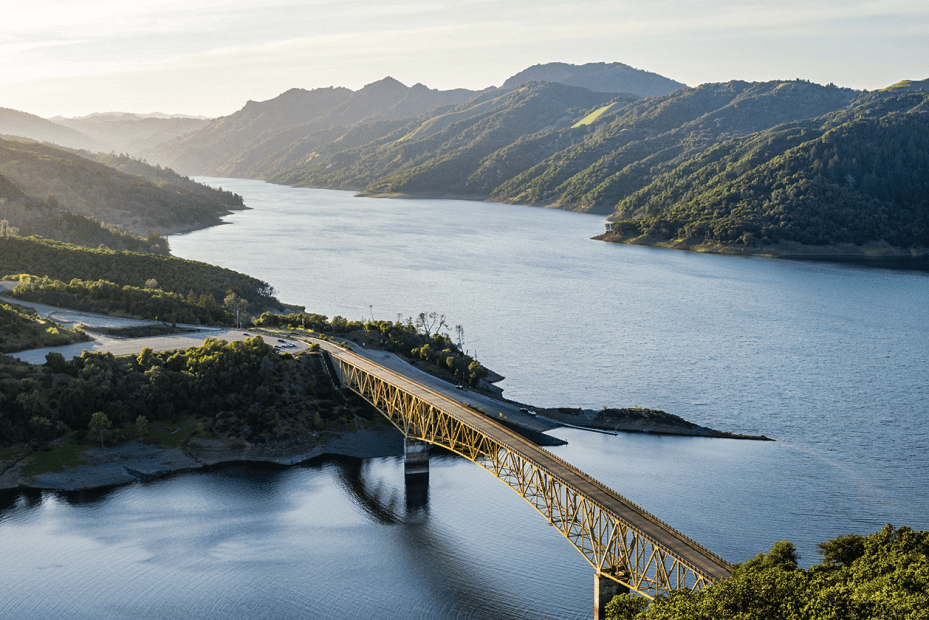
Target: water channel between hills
[{"x": 831, "y": 361}]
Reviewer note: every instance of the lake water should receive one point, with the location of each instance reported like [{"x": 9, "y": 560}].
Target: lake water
[{"x": 831, "y": 361}]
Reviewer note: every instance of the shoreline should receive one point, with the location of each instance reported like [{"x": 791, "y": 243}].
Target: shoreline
[
  {"x": 137, "y": 461},
  {"x": 872, "y": 255},
  {"x": 636, "y": 420}
]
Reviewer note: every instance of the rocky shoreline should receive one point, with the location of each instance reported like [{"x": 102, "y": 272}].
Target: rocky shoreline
[
  {"x": 637, "y": 420},
  {"x": 871, "y": 255},
  {"x": 140, "y": 461},
  {"x": 137, "y": 461}
]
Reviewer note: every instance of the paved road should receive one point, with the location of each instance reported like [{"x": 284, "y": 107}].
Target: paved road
[
  {"x": 127, "y": 346},
  {"x": 489, "y": 404},
  {"x": 643, "y": 522}
]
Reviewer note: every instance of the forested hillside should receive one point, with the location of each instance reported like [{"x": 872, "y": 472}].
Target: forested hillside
[
  {"x": 627, "y": 147},
  {"x": 164, "y": 177},
  {"x": 94, "y": 190},
  {"x": 243, "y": 144},
  {"x": 855, "y": 176},
  {"x": 747, "y": 164},
  {"x": 64, "y": 262},
  {"x": 440, "y": 153},
  {"x": 45, "y": 218},
  {"x": 268, "y": 137}
]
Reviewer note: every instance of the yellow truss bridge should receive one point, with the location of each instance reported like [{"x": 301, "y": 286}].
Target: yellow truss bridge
[{"x": 627, "y": 546}]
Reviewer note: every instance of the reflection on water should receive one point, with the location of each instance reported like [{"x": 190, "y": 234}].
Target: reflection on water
[{"x": 333, "y": 538}]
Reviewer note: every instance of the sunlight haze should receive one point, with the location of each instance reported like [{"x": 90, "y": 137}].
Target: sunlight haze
[{"x": 209, "y": 58}]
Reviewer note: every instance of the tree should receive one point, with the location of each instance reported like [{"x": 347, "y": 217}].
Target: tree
[
  {"x": 6, "y": 230},
  {"x": 56, "y": 362},
  {"x": 625, "y": 607},
  {"x": 146, "y": 357},
  {"x": 235, "y": 304},
  {"x": 141, "y": 426},
  {"x": 429, "y": 322},
  {"x": 99, "y": 423}
]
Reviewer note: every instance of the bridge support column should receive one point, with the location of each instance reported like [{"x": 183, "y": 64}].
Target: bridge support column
[
  {"x": 415, "y": 456},
  {"x": 604, "y": 591},
  {"x": 416, "y": 475}
]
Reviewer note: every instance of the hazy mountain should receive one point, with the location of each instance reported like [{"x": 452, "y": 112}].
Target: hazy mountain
[
  {"x": 64, "y": 180},
  {"x": 131, "y": 133},
  {"x": 612, "y": 77},
  {"x": 20, "y": 124},
  {"x": 438, "y": 153},
  {"x": 266, "y": 137},
  {"x": 127, "y": 116},
  {"x": 239, "y": 144},
  {"x": 548, "y": 143}
]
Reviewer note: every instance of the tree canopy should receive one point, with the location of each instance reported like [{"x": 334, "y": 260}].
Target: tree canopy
[{"x": 884, "y": 576}]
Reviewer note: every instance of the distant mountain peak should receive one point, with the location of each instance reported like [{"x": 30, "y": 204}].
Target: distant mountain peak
[
  {"x": 909, "y": 86},
  {"x": 388, "y": 83},
  {"x": 614, "y": 77}
]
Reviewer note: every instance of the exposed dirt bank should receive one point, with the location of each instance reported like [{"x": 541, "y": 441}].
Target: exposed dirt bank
[
  {"x": 637, "y": 421},
  {"x": 138, "y": 460},
  {"x": 880, "y": 255}
]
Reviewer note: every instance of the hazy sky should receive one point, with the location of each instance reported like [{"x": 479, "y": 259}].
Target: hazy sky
[{"x": 74, "y": 57}]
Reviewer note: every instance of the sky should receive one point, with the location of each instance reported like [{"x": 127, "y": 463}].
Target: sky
[{"x": 208, "y": 58}]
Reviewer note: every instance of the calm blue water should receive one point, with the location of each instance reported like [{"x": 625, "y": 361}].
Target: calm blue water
[{"x": 830, "y": 361}]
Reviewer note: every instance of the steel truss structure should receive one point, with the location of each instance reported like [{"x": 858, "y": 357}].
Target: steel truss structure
[{"x": 583, "y": 510}]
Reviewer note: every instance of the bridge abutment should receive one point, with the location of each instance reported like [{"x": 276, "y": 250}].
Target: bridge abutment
[{"x": 604, "y": 591}]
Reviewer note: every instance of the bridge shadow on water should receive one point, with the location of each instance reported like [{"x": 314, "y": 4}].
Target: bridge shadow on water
[{"x": 460, "y": 584}]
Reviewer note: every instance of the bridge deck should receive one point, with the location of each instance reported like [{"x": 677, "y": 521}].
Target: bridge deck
[{"x": 645, "y": 523}]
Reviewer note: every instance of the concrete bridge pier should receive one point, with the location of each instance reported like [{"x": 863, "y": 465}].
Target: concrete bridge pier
[
  {"x": 416, "y": 474},
  {"x": 604, "y": 591},
  {"x": 415, "y": 456}
]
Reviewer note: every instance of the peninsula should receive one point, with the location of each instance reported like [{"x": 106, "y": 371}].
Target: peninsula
[{"x": 123, "y": 409}]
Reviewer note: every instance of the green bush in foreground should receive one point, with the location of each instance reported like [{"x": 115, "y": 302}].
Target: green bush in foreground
[{"x": 884, "y": 576}]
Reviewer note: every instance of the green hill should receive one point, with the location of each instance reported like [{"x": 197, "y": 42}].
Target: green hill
[
  {"x": 264, "y": 134},
  {"x": 439, "y": 153},
  {"x": 100, "y": 192},
  {"x": 64, "y": 262},
  {"x": 21, "y": 328},
  {"x": 737, "y": 164},
  {"x": 856, "y": 176}
]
